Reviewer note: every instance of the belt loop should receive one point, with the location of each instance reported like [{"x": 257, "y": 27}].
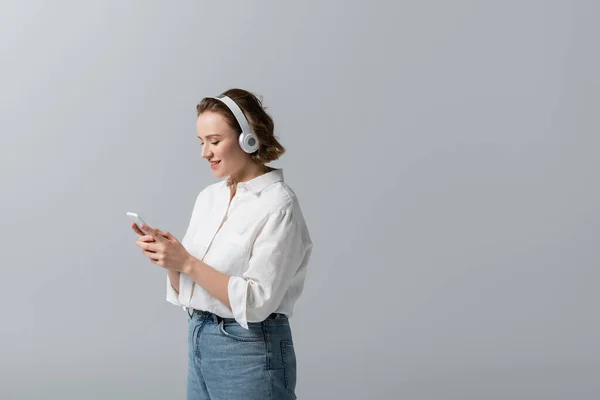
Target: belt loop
[{"x": 187, "y": 309}]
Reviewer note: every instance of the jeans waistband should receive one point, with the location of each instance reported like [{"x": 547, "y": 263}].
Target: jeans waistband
[{"x": 217, "y": 318}]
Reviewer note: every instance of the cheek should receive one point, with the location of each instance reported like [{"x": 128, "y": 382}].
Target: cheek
[{"x": 227, "y": 152}]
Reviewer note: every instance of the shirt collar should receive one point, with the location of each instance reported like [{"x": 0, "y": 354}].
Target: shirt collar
[{"x": 256, "y": 185}]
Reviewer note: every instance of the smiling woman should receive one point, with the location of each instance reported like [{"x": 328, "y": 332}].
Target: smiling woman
[
  {"x": 253, "y": 117},
  {"x": 241, "y": 265}
]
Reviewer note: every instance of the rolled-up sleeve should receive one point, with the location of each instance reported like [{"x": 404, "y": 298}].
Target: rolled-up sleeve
[
  {"x": 172, "y": 295},
  {"x": 277, "y": 253}
]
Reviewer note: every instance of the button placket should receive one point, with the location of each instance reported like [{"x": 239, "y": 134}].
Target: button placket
[{"x": 206, "y": 248}]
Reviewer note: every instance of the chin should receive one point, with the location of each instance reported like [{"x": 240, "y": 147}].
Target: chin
[{"x": 219, "y": 174}]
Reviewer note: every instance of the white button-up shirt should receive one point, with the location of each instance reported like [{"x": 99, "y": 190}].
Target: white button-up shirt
[{"x": 260, "y": 238}]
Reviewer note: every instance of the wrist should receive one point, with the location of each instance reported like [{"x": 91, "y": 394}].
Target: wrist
[{"x": 188, "y": 265}]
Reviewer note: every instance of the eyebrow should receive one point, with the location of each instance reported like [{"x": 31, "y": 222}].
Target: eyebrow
[{"x": 211, "y": 135}]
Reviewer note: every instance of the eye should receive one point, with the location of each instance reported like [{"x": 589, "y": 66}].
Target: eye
[{"x": 217, "y": 142}]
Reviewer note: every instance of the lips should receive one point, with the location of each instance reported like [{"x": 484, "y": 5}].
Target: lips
[{"x": 213, "y": 164}]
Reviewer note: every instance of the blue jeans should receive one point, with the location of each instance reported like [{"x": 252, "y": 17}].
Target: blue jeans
[{"x": 228, "y": 362}]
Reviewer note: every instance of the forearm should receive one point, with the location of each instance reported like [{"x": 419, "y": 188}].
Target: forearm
[
  {"x": 214, "y": 282},
  {"x": 174, "y": 279}
]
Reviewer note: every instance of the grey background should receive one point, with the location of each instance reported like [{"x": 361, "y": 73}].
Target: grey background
[{"x": 445, "y": 155}]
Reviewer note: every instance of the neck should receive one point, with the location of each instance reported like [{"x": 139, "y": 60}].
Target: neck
[{"x": 249, "y": 173}]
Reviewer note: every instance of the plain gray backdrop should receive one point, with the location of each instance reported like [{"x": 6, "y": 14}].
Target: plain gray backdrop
[{"x": 445, "y": 154}]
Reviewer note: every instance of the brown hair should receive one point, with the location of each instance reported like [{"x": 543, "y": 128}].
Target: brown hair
[{"x": 269, "y": 148}]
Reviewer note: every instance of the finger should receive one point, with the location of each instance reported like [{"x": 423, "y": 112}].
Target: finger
[
  {"x": 166, "y": 235},
  {"x": 152, "y": 256},
  {"x": 155, "y": 233},
  {"x": 157, "y": 261},
  {"x": 152, "y": 247},
  {"x": 146, "y": 238},
  {"x": 136, "y": 229}
]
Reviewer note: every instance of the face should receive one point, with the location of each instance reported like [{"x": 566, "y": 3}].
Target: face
[{"x": 220, "y": 145}]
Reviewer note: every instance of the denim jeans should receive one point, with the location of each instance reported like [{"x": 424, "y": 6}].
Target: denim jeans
[{"x": 228, "y": 362}]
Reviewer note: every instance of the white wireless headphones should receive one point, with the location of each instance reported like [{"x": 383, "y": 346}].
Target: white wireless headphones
[{"x": 247, "y": 139}]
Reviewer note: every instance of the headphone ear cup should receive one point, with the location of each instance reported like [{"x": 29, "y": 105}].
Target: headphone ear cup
[{"x": 248, "y": 142}]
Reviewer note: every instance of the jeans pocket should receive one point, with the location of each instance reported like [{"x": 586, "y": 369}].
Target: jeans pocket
[
  {"x": 289, "y": 364},
  {"x": 235, "y": 331}
]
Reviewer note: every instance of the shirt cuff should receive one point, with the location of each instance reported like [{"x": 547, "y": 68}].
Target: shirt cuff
[
  {"x": 172, "y": 295},
  {"x": 237, "y": 288}
]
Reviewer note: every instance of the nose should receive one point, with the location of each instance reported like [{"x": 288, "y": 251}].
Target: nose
[{"x": 206, "y": 153}]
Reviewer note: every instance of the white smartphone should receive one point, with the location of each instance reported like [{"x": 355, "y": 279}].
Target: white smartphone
[{"x": 137, "y": 219}]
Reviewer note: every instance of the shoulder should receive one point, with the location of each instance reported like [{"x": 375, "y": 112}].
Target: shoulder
[
  {"x": 279, "y": 197},
  {"x": 282, "y": 204}
]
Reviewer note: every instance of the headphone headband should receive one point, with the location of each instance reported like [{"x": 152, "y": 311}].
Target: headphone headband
[{"x": 237, "y": 113}]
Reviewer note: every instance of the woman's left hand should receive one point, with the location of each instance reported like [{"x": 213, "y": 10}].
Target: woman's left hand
[{"x": 165, "y": 250}]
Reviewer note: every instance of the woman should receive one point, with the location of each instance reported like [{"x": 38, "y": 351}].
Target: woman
[{"x": 241, "y": 265}]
